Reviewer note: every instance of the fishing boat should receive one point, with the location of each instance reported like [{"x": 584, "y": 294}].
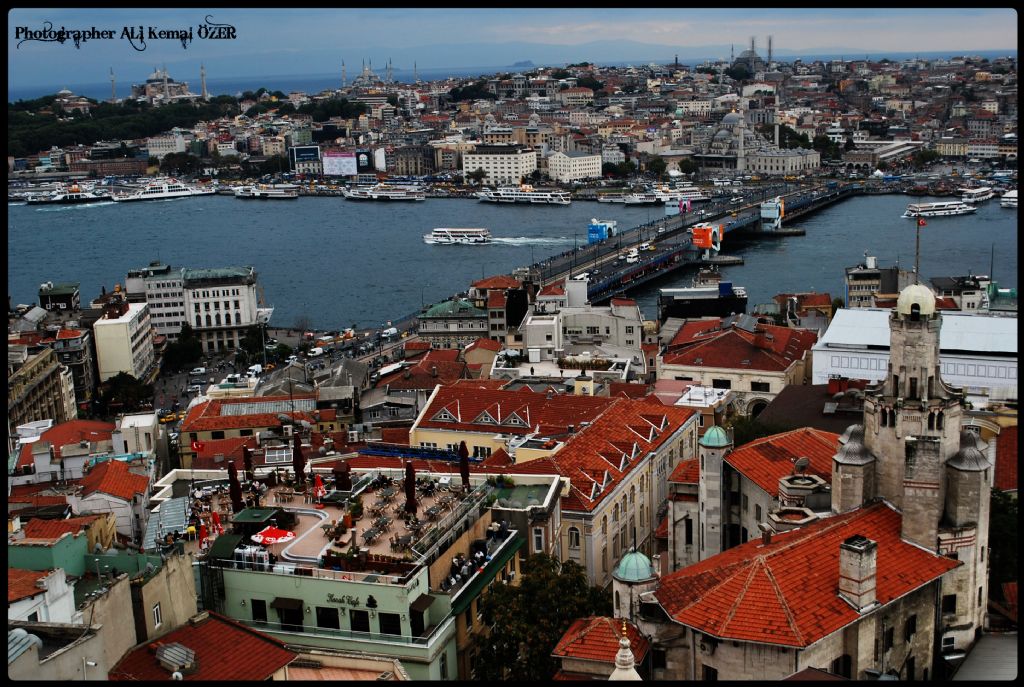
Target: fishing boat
[
  {"x": 941, "y": 209},
  {"x": 453, "y": 236}
]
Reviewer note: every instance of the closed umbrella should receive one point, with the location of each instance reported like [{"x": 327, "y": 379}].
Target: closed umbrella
[
  {"x": 234, "y": 488},
  {"x": 247, "y": 463},
  {"x": 410, "y": 489},
  {"x": 464, "y": 465},
  {"x": 217, "y": 527},
  {"x": 297, "y": 464},
  {"x": 343, "y": 477},
  {"x": 273, "y": 535},
  {"x": 203, "y": 534},
  {"x": 318, "y": 487}
]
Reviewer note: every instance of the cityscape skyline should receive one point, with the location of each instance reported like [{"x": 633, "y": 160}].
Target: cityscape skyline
[{"x": 405, "y": 37}]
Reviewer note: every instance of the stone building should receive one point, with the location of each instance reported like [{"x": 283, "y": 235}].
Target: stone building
[{"x": 39, "y": 387}]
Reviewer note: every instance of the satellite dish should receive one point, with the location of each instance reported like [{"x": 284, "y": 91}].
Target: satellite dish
[
  {"x": 176, "y": 675},
  {"x": 801, "y": 464},
  {"x": 322, "y": 450}
]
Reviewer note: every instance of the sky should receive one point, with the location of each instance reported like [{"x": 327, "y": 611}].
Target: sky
[{"x": 316, "y": 41}]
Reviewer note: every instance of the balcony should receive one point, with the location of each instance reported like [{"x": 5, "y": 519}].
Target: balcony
[{"x": 431, "y": 634}]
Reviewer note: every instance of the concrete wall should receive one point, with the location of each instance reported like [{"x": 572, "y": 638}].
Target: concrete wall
[{"x": 174, "y": 588}]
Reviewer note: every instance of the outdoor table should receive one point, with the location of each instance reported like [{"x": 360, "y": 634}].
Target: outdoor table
[
  {"x": 388, "y": 494},
  {"x": 433, "y": 512},
  {"x": 369, "y": 535},
  {"x": 404, "y": 542},
  {"x": 380, "y": 505},
  {"x": 382, "y": 522},
  {"x": 414, "y": 526}
]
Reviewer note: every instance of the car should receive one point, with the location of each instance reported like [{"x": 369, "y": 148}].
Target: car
[
  {"x": 292, "y": 359},
  {"x": 167, "y": 419},
  {"x": 197, "y": 371},
  {"x": 195, "y": 389}
]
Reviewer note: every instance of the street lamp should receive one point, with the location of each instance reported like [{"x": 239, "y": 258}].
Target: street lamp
[{"x": 86, "y": 663}]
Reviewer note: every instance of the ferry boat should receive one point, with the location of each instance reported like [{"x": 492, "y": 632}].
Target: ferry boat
[
  {"x": 163, "y": 190},
  {"x": 451, "y": 236},
  {"x": 72, "y": 195},
  {"x": 942, "y": 209},
  {"x": 642, "y": 199},
  {"x": 708, "y": 296},
  {"x": 611, "y": 198},
  {"x": 670, "y": 195},
  {"x": 976, "y": 195},
  {"x": 262, "y": 192},
  {"x": 1009, "y": 199},
  {"x": 524, "y": 194},
  {"x": 384, "y": 192}
]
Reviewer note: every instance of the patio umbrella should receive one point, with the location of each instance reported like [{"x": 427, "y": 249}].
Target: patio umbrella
[
  {"x": 464, "y": 465},
  {"x": 272, "y": 535},
  {"x": 234, "y": 488},
  {"x": 318, "y": 487},
  {"x": 297, "y": 463},
  {"x": 247, "y": 462},
  {"x": 215, "y": 518},
  {"x": 410, "y": 489},
  {"x": 272, "y": 478},
  {"x": 203, "y": 534},
  {"x": 343, "y": 477}
]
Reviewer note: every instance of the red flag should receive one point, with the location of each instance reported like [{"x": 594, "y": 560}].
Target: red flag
[
  {"x": 921, "y": 222},
  {"x": 197, "y": 446}
]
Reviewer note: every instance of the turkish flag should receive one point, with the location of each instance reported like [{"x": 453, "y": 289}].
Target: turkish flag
[
  {"x": 921, "y": 222},
  {"x": 197, "y": 446}
]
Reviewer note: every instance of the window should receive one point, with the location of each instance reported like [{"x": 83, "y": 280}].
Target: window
[
  {"x": 760, "y": 386},
  {"x": 842, "y": 666},
  {"x": 658, "y": 658},
  {"x": 217, "y": 434},
  {"x": 887, "y": 639},
  {"x": 259, "y": 610},
  {"x": 746, "y": 503},
  {"x": 444, "y": 666},
  {"x": 327, "y": 618},
  {"x": 757, "y": 512},
  {"x": 949, "y": 604},
  {"x": 469, "y": 619},
  {"x": 158, "y": 617},
  {"x": 390, "y": 623},
  {"x": 710, "y": 674},
  {"x": 689, "y": 531},
  {"x": 948, "y": 643},
  {"x": 910, "y": 627},
  {"x": 359, "y": 620},
  {"x": 574, "y": 538},
  {"x": 538, "y": 539},
  {"x": 721, "y": 384}
]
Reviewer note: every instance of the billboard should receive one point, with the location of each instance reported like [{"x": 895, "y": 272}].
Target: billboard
[
  {"x": 364, "y": 161},
  {"x": 339, "y": 163},
  {"x": 304, "y": 153}
]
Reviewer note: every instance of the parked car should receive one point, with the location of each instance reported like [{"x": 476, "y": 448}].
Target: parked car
[
  {"x": 197, "y": 371},
  {"x": 195, "y": 389}
]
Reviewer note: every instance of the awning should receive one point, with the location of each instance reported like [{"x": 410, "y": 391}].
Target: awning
[
  {"x": 422, "y": 603},
  {"x": 284, "y": 603}
]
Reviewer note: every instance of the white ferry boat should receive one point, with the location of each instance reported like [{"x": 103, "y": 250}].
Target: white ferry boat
[
  {"x": 72, "y": 195},
  {"x": 976, "y": 195},
  {"x": 524, "y": 194},
  {"x": 384, "y": 192},
  {"x": 162, "y": 190},
  {"x": 262, "y": 192},
  {"x": 642, "y": 199},
  {"x": 953, "y": 207},
  {"x": 450, "y": 236},
  {"x": 670, "y": 195},
  {"x": 1009, "y": 199}
]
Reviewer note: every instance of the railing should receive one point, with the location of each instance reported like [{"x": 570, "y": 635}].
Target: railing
[
  {"x": 291, "y": 628},
  {"x": 449, "y": 522},
  {"x": 312, "y": 572}
]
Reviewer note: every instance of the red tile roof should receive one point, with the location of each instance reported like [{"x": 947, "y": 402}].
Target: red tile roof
[
  {"x": 554, "y": 289},
  {"x": 695, "y": 330},
  {"x": 486, "y": 344},
  {"x": 785, "y": 592},
  {"x": 661, "y": 532},
  {"x": 225, "y": 650},
  {"x": 1006, "y": 459},
  {"x": 501, "y": 281},
  {"x": 21, "y": 584},
  {"x": 623, "y": 301},
  {"x": 38, "y": 528},
  {"x": 112, "y": 477},
  {"x": 771, "y": 349},
  {"x": 206, "y": 416},
  {"x": 496, "y": 299},
  {"x": 70, "y": 432},
  {"x": 421, "y": 375},
  {"x": 597, "y": 639},
  {"x": 395, "y": 435},
  {"x": 687, "y": 472},
  {"x": 764, "y": 461},
  {"x": 448, "y": 355},
  {"x": 628, "y": 390},
  {"x": 417, "y": 345}
]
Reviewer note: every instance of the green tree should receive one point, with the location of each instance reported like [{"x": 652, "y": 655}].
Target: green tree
[
  {"x": 656, "y": 165},
  {"x": 180, "y": 163},
  {"x": 123, "y": 393},
  {"x": 688, "y": 166},
  {"x": 252, "y": 342},
  {"x": 837, "y": 305},
  {"x": 529, "y": 619},
  {"x": 746, "y": 429},
  {"x": 1002, "y": 538},
  {"x": 477, "y": 175},
  {"x": 590, "y": 82},
  {"x": 560, "y": 74},
  {"x": 738, "y": 72},
  {"x": 186, "y": 350}
]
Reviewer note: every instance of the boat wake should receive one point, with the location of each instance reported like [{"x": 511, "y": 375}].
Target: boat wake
[
  {"x": 530, "y": 240},
  {"x": 79, "y": 206}
]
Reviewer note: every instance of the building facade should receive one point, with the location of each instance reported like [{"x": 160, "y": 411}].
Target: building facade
[
  {"x": 124, "y": 340},
  {"x": 39, "y": 387},
  {"x": 221, "y": 304},
  {"x": 160, "y": 287},
  {"x": 503, "y": 164}
]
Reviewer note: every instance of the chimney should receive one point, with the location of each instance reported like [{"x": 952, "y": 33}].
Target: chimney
[
  {"x": 857, "y": 564},
  {"x": 656, "y": 560},
  {"x": 433, "y": 370},
  {"x": 766, "y": 533}
]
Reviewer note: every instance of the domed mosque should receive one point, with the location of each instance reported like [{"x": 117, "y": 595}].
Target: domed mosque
[{"x": 751, "y": 60}]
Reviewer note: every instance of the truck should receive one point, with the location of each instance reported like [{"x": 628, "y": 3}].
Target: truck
[
  {"x": 315, "y": 352},
  {"x": 632, "y": 256},
  {"x": 389, "y": 332}
]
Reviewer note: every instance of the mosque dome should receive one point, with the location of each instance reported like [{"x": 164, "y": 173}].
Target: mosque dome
[
  {"x": 919, "y": 295},
  {"x": 732, "y": 119},
  {"x": 715, "y": 437},
  {"x": 634, "y": 567}
]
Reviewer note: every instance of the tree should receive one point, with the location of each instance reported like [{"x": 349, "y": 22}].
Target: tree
[
  {"x": 252, "y": 342},
  {"x": 477, "y": 175},
  {"x": 303, "y": 323},
  {"x": 590, "y": 82},
  {"x": 656, "y": 165},
  {"x": 688, "y": 166},
  {"x": 532, "y": 617},
  {"x": 738, "y": 72},
  {"x": 746, "y": 429},
  {"x": 560, "y": 74},
  {"x": 1002, "y": 538},
  {"x": 123, "y": 393},
  {"x": 837, "y": 305},
  {"x": 186, "y": 350}
]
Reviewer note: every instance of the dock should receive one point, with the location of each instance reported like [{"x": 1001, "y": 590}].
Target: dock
[{"x": 722, "y": 260}]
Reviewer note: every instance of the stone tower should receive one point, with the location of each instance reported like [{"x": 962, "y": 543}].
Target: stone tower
[
  {"x": 634, "y": 575},
  {"x": 713, "y": 446}
]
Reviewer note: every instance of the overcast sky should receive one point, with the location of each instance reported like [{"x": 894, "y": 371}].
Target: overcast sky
[{"x": 310, "y": 41}]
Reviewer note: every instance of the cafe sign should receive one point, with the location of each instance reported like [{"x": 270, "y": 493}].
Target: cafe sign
[{"x": 346, "y": 599}]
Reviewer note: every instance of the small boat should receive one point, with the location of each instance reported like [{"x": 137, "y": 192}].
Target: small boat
[
  {"x": 453, "y": 236},
  {"x": 918, "y": 190},
  {"x": 1009, "y": 199},
  {"x": 263, "y": 192},
  {"x": 976, "y": 195},
  {"x": 73, "y": 195},
  {"x": 941, "y": 209}
]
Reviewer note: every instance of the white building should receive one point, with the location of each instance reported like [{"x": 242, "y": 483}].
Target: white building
[
  {"x": 977, "y": 352},
  {"x": 163, "y": 145},
  {"x": 567, "y": 167},
  {"x": 50, "y": 599},
  {"x": 160, "y": 287},
  {"x": 221, "y": 304},
  {"x": 504, "y": 164},
  {"x": 124, "y": 341}
]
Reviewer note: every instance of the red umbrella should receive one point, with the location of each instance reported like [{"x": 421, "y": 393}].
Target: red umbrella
[
  {"x": 464, "y": 465},
  {"x": 318, "y": 487},
  {"x": 215, "y": 518},
  {"x": 297, "y": 463},
  {"x": 203, "y": 534},
  {"x": 410, "y": 489},
  {"x": 272, "y": 535},
  {"x": 234, "y": 488}
]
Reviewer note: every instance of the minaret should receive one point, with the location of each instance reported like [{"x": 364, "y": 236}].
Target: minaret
[
  {"x": 625, "y": 662},
  {"x": 344, "y": 80},
  {"x": 732, "y": 54},
  {"x": 113, "y": 88},
  {"x": 769, "y": 51},
  {"x": 167, "y": 93},
  {"x": 202, "y": 80},
  {"x": 389, "y": 72}
]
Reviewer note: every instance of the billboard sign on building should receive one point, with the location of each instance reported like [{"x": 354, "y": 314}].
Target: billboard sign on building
[
  {"x": 298, "y": 154},
  {"x": 364, "y": 161},
  {"x": 339, "y": 163}
]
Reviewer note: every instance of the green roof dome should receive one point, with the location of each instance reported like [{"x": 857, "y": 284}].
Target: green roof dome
[
  {"x": 634, "y": 567},
  {"x": 715, "y": 437}
]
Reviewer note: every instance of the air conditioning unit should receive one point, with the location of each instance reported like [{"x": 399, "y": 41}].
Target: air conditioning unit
[
  {"x": 353, "y": 436},
  {"x": 288, "y": 430}
]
